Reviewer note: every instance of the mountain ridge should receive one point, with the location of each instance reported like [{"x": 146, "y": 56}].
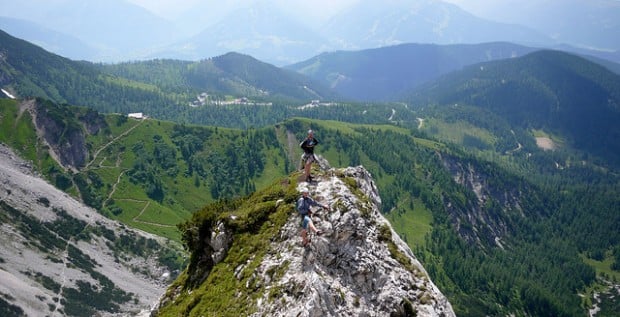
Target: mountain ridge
[
  {"x": 385, "y": 73},
  {"x": 583, "y": 107},
  {"x": 54, "y": 41},
  {"x": 267, "y": 33},
  {"x": 375, "y": 25},
  {"x": 339, "y": 274},
  {"x": 209, "y": 29}
]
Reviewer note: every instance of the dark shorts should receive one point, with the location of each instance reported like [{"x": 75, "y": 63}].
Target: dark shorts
[{"x": 308, "y": 158}]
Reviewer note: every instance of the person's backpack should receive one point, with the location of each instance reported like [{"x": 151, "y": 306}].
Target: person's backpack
[{"x": 301, "y": 202}]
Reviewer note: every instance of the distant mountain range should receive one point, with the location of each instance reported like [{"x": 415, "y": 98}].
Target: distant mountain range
[
  {"x": 372, "y": 24},
  {"x": 262, "y": 31},
  {"x": 531, "y": 89},
  {"x": 113, "y": 28},
  {"x": 120, "y": 31},
  {"x": 386, "y": 73},
  {"x": 581, "y": 23},
  {"x": 564, "y": 93},
  {"x": 53, "y": 41}
]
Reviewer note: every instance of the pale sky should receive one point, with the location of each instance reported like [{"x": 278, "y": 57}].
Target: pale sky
[
  {"x": 316, "y": 8},
  {"x": 165, "y": 8}
]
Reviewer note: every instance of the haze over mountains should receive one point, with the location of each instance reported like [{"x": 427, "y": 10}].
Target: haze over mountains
[
  {"x": 386, "y": 73},
  {"x": 284, "y": 32}
]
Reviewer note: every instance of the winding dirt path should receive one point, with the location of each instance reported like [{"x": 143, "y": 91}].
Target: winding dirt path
[
  {"x": 118, "y": 180},
  {"x": 519, "y": 146},
  {"x": 120, "y": 175},
  {"x": 111, "y": 142}
]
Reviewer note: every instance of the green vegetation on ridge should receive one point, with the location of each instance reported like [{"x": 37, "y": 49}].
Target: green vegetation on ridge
[{"x": 220, "y": 289}]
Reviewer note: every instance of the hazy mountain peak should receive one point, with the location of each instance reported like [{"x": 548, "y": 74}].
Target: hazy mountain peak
[
  {"x": 283, "y": 32},
  {"x": 373, "y": 24}
]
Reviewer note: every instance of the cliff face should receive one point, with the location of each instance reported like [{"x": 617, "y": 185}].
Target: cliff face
[
  {"x": 357, "y": 267},
  {"x": 64, "y": 130},
  {"x": 485, "y": 218}
]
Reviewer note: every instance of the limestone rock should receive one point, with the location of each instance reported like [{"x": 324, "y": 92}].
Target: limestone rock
[{"x": 358, "y": 267}]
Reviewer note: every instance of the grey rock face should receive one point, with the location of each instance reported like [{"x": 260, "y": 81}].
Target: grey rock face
[
  {"x": 484, "y": 227},
  {"x": 56, "y": 252},
  {"x": 358, "y": 267}
]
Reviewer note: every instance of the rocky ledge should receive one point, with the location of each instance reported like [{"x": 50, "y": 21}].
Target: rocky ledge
[{"x": 358, "y": 267}]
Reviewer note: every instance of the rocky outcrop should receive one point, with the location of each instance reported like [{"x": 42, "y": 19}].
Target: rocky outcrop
[
  {"x": 61, "y": 258},
  {"x": 357, "y": 267},
  {"x": 215, "y": 247},
  {"x": 64, "y": 129},
  {"x": 485, "y": 216},
  {"x": 66, "y": 140}
]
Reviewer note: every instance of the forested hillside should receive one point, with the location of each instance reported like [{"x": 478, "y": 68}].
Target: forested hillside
[
  {"x": 230, "y": 74},
  {"x": 552, "y": 91},
  {"x": 499, "y": 241},
  {"x": 385, "y": 73},
  {"x": 150, "y": 174},
  {"x": 165, "y": 89}
]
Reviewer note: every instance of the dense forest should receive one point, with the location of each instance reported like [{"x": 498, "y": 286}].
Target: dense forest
[
  {"x": 549, "y": 90},
  {"x": 557, "y": 221}
]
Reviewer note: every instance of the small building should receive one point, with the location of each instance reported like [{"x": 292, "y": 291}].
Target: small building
[
  {"x": 136, "y": 115},
  {"x": 8, "y": 94}
]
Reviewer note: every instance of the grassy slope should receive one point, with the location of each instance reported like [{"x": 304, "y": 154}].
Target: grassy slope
[
  {"x": 17, "y": 130},
  {"x": 222, "y": 293}
]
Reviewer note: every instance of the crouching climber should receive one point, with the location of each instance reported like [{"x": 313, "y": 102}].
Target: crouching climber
[{"x": 303, "y": 207}]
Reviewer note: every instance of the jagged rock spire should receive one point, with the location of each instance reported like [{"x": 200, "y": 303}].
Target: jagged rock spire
[{"x": 359, "y": 267}]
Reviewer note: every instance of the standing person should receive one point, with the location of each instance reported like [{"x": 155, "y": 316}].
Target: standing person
[
  {"x": 308, "y": 157},
  {"x": 303, "y": 207}
]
